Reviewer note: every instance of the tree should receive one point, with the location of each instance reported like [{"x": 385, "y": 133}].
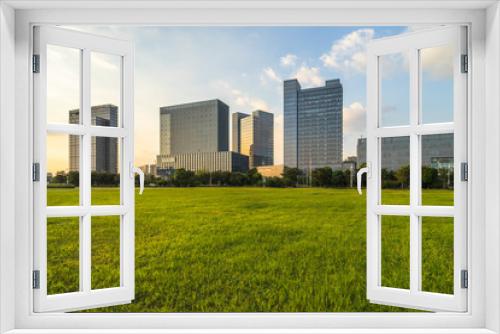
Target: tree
[
  {"x": 184, "y": 178},
  {"x": 322, "y": 177},
  {"x": 403, "y": 176},
  {"x": 238, "y": 179},
  {"x": 340, "y": 178},
  {"x": 429, "y": 177},
  {"x": 254, "y": 177},
  {"x": 291, "y": 176},
  {"x": 74, "y": 178}
]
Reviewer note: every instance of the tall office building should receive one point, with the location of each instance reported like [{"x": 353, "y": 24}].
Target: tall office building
[
  {"x": 236, "y": 130},
  {"x": 194, "y": 127},
  {"x": 104, "y": 151},
  {"x": 313, "y": 135},
  {"x": 361, "y": 151},
  {"x": 195, "y": 136},
  {"x": 256, "y": 137},
  {"x": 437, "y": 151}
]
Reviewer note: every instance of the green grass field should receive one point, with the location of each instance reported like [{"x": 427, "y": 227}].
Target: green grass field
[{"x": 249, "y": 250}]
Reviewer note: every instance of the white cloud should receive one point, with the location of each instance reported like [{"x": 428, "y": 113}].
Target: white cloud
[
  {"x": 239, "y": 98},
  {"x": 349, "y": 53},
  {"x": 288, "y": 60},
  {"x": 354, "y": 118},
  {"x": 354, "y": 126},
  {"x": 268, "y": 74},
  {"x": 437, "y": 62},
  {"x": 309, "y": 76}
]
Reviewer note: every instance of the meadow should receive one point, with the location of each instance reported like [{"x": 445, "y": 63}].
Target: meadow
[{"x": 249, "y": 249}]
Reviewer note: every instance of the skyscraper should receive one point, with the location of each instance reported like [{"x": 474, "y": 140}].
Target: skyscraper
[
  {"x": 313, "y": 135},
  {"x": 236, "y": 130},
  {"x": 194, "y": 127},
  {"x": 256, "y": 137},
  {"x": 104, "y": 152},
  {"x": 195, "y": 136}
]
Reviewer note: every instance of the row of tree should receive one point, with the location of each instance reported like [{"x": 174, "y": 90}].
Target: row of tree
[{"x": 291, "y": 177}]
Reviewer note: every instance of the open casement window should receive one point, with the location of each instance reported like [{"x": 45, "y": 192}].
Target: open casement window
[
  {"x": 83, "y": 123},
  {"x": 416, "y": 134}
]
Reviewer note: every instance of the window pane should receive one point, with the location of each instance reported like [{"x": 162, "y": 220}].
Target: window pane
[
  {"x": 395, "y": 170},
  {"x": 437, "y": 254},
  {"x": 105, "y": 252},
  {"x": 105, "y": 89},
  {"x": 395, "y": 232},
  {"x": 63, "y": 255},
  {"x": 437, "y": 169},
  {"x": 63, "y": 166},
  {"x": 63, "y": 83},
  {"x": 436, "y": 84},
  {"x": 394, "y": 90},
  {"x": 105, "y": 177}
]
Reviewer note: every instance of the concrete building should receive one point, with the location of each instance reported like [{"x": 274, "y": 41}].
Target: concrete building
[
  {"x": 194, "y": 127},
  {"x": 361, "y": 151},
  {"x": 256, "y": 137},
  {"x": 104, "y": 151},
  {"x": 195, "y": 136},
  {"x": 270, "y": 171},
  {"x": 148, "y": 169},
  {"x": 313, "y": 135},
  {"x": 236, "y": 130},
  {"x": 202, "y": 161},
  {"x": 437, "y": 151}
]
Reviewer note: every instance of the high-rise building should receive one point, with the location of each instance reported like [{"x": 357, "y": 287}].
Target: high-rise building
[
  {"x": 104, "y": 151},
  {"x": 194, "y": 127},
  {"x": 195, "y": 136},
  {"x": 437, "y": 151},
  {"x": 236, "y": 130},
  {"x": 361, "y": 151},
  {"x": 313, "y": 135},
  {"x": 256, "y": 137}
]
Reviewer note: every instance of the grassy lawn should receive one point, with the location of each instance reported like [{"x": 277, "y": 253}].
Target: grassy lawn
[{"x": 249, "y": 250}]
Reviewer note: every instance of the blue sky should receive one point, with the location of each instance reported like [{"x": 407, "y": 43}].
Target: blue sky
[{"x": 245, "y": 67}]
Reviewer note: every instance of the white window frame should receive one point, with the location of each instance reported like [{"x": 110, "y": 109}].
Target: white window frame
[
  {"x": 410, "y": 45},
  {"x": 86, "y": 297},
  {"x": 483, "y": 17}
]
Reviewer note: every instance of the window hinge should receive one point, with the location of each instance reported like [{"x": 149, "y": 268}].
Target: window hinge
[
  {"x": 464, "y": 171},
  {"x": 36, "y": 279},
  {"x": 464, "y": 279},
  {"x": 36, "y": 171},
  {"x": 36, "y": 63},
  {"x": 465, "y": 64}
]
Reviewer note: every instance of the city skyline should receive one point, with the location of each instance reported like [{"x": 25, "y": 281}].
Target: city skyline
[{"x": 245, "y": 67}]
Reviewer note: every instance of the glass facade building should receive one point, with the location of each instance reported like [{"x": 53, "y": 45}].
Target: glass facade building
[
  {"x": 104, "y": 153},
  {"x": 313, "y": 125},
  {"x": 256, "y": 137},
  {"x": 194, "y": 127}
]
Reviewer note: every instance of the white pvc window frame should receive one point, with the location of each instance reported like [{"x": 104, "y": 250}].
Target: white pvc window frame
[
  {"x": 409, "y": 46},
  {"x": 86, "y": 297},
  {"x": 484, "y": 50}
]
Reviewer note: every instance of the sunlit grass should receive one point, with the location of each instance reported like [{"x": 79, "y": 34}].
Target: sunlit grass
[{"x": 255, "y": 250}]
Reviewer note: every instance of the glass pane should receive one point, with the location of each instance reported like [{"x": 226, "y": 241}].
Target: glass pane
[
  {"x": 395, "y": 234},
  {"x": 63, "y": 83},
  {"x": 105, "y": 177},
  {"x": 395, "y": 172},
  {"x": 437, "y": 169},
  {"x": 437, "y": 254},
  {"x": 436, "y": 84},
  {"x": 394, "y": 90},
  {"x": 63, "y": 255},
  {"x": 105, "y": 89},
  {"x": 63, "y": 166},
  {"x": 105, "y": 252}
]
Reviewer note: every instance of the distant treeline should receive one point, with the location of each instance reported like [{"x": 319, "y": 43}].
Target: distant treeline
[{"x": 441, "y": 178}]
